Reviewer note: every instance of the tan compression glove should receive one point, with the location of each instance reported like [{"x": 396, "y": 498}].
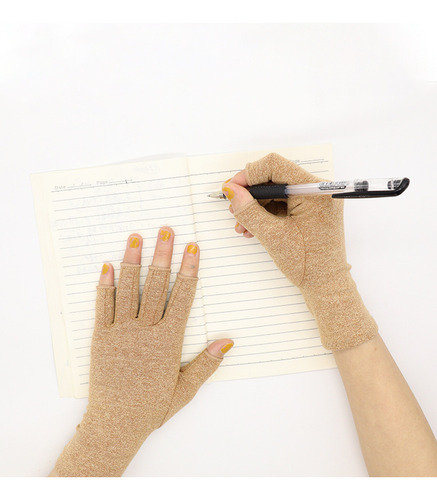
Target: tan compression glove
[
  {"x": 136, "y": 383},
  {"x": 307, "y": 244}
]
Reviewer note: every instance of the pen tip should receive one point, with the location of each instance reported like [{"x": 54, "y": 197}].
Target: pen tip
[{"x": 217, "y": 196}]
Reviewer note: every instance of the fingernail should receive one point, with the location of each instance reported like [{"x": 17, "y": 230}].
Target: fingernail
[
  {"x": 105, "y": 268},
  {"x": 228, "y": 192},
  {"x": 227, "y": 180},
  {"x": 165, "y": 235},
  {"x": 227, "y": 347},
  {"x": 192, "y": 249},
  {"x": 134, "y": 243},
  {"x": 236, "y": 225}
]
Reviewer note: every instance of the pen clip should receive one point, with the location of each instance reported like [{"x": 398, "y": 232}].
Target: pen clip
[{"x": 376, "y": 194}]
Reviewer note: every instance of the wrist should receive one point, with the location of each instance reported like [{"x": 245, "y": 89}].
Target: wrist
[
  {"x": 340, "y": 313},
  {"x": 101, "y": 446}
]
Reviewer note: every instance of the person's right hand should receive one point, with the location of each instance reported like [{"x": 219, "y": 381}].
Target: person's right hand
[{"x": 304, "y": 235}]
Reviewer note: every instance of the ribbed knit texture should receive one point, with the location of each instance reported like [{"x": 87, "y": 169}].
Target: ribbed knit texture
[
  {"x": 306, "y": 242},
  {"x": 136, "y": 383}
]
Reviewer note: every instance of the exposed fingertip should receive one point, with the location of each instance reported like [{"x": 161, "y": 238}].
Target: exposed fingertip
[
  {"x": 220, "y": 347},
  {"x": 135, "y": 240},
  {"x": 192, "y": 248},
  {"x": 163, "y": 247},
  {"x": 237, "y": 195},
  {"x": 106, "y": 274},
  {"x": 165, "y": 234},
  {"x": 132, "y": 254},
  {"x": 229, "y": 192},
  {"x": 190, "y": 260}
]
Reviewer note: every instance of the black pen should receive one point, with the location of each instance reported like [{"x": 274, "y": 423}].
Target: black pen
[{"x": 358, "y": 188}]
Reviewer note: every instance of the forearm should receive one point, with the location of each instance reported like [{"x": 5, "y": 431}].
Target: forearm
[{"x": 395, "y": 437}]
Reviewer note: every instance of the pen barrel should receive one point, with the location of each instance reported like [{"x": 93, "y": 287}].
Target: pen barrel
[{"x": 270, "y": 191}]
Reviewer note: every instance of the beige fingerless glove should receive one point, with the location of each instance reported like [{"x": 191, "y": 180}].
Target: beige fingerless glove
[
  {"x": 136, "y": 383},
  {"x": 308, "y": 246}
]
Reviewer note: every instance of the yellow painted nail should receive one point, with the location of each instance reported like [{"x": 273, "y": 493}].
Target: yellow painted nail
[
  {"x": 226, "y": 347},
  {"x": 105, "y": 268},
  {"x": 192, "y": 249},
  {"x": 165, "y": 235},
  {"x": 228, "y": 192},
  {"x": 135, "y": 243},
  {"x": 227, "y": 180},
  {"x": 236, "y": 225}
]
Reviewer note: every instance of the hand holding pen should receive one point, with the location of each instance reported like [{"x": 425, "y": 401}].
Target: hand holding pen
[{"x": 307, "y": 245}]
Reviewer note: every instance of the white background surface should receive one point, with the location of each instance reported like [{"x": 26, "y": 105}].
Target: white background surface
[{"x": 77, "y": 96}]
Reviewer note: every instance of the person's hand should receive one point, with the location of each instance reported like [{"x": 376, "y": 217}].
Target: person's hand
[
  {"x": 304, "y": 235},
  {"x": 136, "y": 383}
]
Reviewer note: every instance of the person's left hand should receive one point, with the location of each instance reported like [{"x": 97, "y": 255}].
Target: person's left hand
[{"x": 136, "y": 383}]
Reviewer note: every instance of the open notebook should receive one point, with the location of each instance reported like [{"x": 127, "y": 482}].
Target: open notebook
[{"x": 85, "y": 216}]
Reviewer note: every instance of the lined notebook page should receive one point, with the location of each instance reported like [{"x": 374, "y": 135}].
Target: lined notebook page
[
  {"x": 84, "y": 218},
  {"x": 245, "y": 296}
]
